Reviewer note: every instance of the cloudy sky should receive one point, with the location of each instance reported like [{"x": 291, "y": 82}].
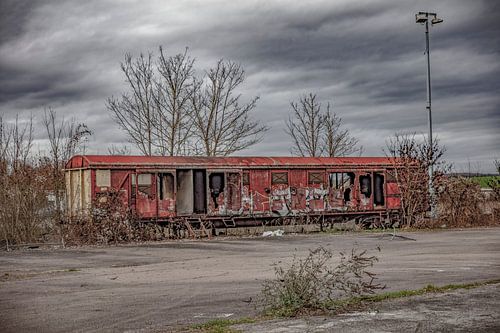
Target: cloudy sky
[{"x": 366, "y": 57}]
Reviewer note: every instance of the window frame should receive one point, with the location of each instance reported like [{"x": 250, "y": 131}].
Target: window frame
[{"x": 279, "y": 178}]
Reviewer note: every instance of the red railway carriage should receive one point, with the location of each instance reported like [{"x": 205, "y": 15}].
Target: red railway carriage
[{"x": 236, "y": 188}]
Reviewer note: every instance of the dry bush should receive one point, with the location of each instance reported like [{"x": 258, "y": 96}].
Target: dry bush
[
  {"x": 23, "y": 192},
  {"x": 462, "y": 204},
  {"x": 314, "y": 283},
  {"x": 412, "y": 157},
  {"x": 109, "y": 222}
]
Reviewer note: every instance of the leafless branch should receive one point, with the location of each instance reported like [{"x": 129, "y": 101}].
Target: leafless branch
[
  {"x": 317, "y": 133},
  {"x": 223, "y": 125}
]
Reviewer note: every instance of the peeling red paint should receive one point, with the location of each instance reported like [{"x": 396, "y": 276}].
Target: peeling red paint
[{"x": 249, "y": 187}]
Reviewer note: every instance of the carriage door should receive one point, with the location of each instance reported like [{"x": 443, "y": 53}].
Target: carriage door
[
  {"x": 365, "y": 192},
  {"x": 165, "y": 183},
  {"x": 184, "y": 198},
  {"x": 233, "y": 193},
  {"x": 144, "y": 188},
  {"x": 200, "y": 191}
]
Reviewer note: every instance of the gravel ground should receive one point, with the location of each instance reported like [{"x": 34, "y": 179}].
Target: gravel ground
[{"x": 160, "y": 286}]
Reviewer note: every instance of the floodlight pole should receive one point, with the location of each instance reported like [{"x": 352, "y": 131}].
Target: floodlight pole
[{"x": 423, "y": 17}]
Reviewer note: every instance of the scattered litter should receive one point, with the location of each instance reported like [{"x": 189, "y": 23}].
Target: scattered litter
[
  {"x": 277, "y": 233},
  {"x": 224, "y": 315}
]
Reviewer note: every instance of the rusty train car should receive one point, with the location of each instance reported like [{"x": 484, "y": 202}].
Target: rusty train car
[{"x": 238, "y": 191}]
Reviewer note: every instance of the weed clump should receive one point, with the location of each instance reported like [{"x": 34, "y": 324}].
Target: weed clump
[{"x": 314, "y": 284}]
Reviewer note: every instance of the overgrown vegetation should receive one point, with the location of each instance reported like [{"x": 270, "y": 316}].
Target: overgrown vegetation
[
  {"x": 342, "y": 305},
  {"x": 412, "y": 156},
  {"x": 109, "y": 222},
  {"x": 314, "y": 283},
  {"x": 32, "y": 183},
  {"x": 463, "y": 204}
]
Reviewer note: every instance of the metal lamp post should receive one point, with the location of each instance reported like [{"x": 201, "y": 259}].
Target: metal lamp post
[{"x": 423, "y": 18}]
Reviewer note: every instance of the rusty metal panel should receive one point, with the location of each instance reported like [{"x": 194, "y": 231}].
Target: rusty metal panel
[
  {"x": 233, "y": 193},
  {"x": 260, "y": 190},
  {"x": 224, "y": 162},
  {"x": 393, "y": 195},
  {"x": 317, "y": 190},
  {"x": 298, "y": 190}
]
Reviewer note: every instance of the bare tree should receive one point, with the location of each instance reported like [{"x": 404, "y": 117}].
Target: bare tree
[
  {"x": 306, "y": 126},
  {"x": 223, "y": 125},
  {"x": 119, "y": 150},
  {"x": 337, "y": 140},
  {"x": 135, "y": 111},
  {"x": 156, "y": 111},
  {"x": 412, "y": 157},
  {"x": 318, "y": 133},
  {"x": 66, "y": 138},
  {"x": 22, "y": 180},
  {"x": 173, "y": 93}
]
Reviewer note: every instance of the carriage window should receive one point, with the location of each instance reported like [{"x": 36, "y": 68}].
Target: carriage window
[
  {"x": 103, "y": 178},
  {"x": 315, "y": 178},
  {"x": 165, "y": 186},
  {"x": 144, "y": 184},
  {"x": 279, "y": 178},
  {"x": 340, "y": 180},
  {"x": 365, "y": 184},
  {"x": 246, "y": 179}
]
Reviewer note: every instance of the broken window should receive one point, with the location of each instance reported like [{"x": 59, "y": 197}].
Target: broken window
[
  {"x": 103, "y": 178},
  {"x": 144, "y": 185},
  {"x": 341, "y": 180},
  {"x": 216, "y": 185},
  {"x": 316, "y": 178},
  {"x": 279, "y": 178},
  {"x": 165, "y": 186},
  {"x": 365, "y": 185}
]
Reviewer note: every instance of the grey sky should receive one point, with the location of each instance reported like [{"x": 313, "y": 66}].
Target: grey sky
[{"x": 367, "y": 57}]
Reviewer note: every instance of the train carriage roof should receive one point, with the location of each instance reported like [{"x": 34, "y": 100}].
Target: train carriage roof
[{"x": 114, "y": 161}]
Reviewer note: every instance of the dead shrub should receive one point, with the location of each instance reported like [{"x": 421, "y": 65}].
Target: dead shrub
[
  {"x": 412, "y": 155},
  {"x": 314, "y": 283},
  {"x": 463, "y": 204},
  {"x": 109, "y": 221},
  {"x": 23, "y": 191}
]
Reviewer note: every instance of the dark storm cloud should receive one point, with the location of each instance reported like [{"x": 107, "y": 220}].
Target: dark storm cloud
[{"x": 365, "y": 56}]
